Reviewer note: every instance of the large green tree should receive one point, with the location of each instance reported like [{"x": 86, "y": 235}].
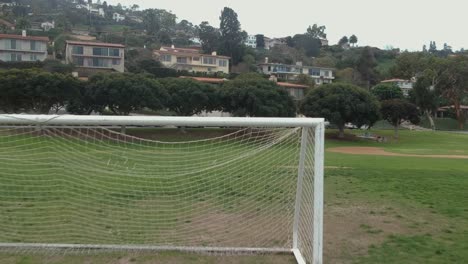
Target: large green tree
[
  {"x": 317, "y": 31},
  {"x": 366, "y": 67},
  {"x": 232, "y": 37},
  {"x": 32, "y": 90},
  {"x": 425, "y": 96},
  {"x": 260, "y": 41},
  {"x": 209, "y": 37},
  {"x": 353, "y": 40},
  {"x": 253, "y": 96},
  {"x": 342, "y": 103},
  {"x": 452, "y": 84},
  {"x": 397, "y": 111},
  {"x": 189, "y": 97},
  {"x": 121, "y": 94}
]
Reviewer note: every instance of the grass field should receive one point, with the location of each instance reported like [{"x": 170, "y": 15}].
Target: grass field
[{"x": 378, "y": 209}]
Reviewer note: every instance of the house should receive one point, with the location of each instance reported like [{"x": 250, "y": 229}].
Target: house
[
  {"x": 324, "y": 41},
  {"x": 271, "y": 43},
  {"x": 290, "y": 72},
  {"x": 118, "y": 17},
  {"x": 196, "y": 41},
  {"x": 192, "y": 60},
  {"x": 7, "y": 24},
  {"x": 47, "y": 26},
  {"x": 443, "y": 111},
  {"x": 251, "y": 41},
  {"x": 405, "y": 85},
  {"x": 96, "y": 55},
  {"x": 23, "y": 47}
]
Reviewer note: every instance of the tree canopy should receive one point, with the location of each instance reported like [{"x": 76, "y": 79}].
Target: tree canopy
[
  {"x": 341, "y": 103},
  {"x": 397, "y": 111},
  {"x": 387, "y": 92},
  {"x": 188, "y": 97},
  {"x": 232, "y": 37},
  {"x": 253, "y": 96}
]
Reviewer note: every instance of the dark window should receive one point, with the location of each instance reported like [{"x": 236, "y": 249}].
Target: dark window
[
  {"x": 100, "y": 51},
  {"x": 78, "y": 50},
  {"x": 114, "y": 52}
]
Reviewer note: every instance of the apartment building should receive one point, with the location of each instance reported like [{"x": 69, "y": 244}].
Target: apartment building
[
  {"x": 251, "y": 41},
  {"x": 192, "y": 60},
  {"x": 94, "y": 55},
  {"x": 290, "y": 72},
  {"x": 23, "y": 47}
]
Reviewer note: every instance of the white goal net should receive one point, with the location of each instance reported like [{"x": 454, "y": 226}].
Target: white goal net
[{"x": 230, "y": 185}]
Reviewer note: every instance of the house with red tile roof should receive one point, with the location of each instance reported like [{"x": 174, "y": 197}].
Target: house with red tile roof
[
  {"x": 22, "y": 47},
  {"x": 96, "y": 55},
  {"x": 192, "y": 60}
]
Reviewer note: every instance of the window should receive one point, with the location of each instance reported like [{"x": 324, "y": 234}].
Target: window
[
  {"x": 79, "y": 61},
  {"x": 182, "y": 60},
  {"x": 196, "y": 58},
  {"x": 33, "y": 45},
  {"x": 16, "y": 57},
  {"x": 314, "y": 72},
  {"x": 327, "y": 73},
  {"x": 98, "y": 62},
  {"x": 223, "y": 63},
  {"x": 13, "y": 44},
  {"x": 114, "y": 52},
  {"x": 115, "y": 61},
  {"x": 33, "y": 57},
  {"x": 100, "y": 51},
  {"x": 269, "y": 68},
  {"x": 209, "y": 60},
  {"x": 78, "y": 50},
  {"x": 166, "y": 57}
]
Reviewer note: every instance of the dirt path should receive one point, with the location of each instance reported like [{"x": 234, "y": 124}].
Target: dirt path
[{"x": 381, "y": 152}]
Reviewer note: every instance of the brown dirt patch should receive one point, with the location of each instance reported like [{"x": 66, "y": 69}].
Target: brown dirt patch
[{"x": 381, "y": 152}]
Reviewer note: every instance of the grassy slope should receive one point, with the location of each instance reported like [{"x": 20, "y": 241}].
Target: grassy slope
[{"x": 426, "y": 196}]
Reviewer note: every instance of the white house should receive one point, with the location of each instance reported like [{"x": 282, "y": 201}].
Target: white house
[
  {"x": 251, "y": 41},
  {"x": 118, "y": 17},
  {"x": 405, "y": 85},
  {"x": 291, "y": 72},
  {"x": 46, "y": 26}
]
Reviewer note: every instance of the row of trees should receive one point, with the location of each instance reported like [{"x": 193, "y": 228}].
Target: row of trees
[{"x": 37, "y": 91}]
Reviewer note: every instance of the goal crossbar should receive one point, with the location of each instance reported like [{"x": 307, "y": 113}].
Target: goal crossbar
[{"x": 158, "y": 121}]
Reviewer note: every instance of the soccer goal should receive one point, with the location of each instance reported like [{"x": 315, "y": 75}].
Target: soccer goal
[{"x": 234, "y": 185}]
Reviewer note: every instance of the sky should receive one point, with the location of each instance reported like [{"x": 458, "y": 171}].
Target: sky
[{"x": 404, "y": 24}]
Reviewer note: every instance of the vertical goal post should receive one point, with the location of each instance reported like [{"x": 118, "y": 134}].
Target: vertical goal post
[{"x": 295, "y": 145}]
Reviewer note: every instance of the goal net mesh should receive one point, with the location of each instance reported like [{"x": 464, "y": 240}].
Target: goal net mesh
[{"x": 95, "y": 186}]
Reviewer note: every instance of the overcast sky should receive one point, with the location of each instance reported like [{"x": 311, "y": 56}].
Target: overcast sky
[{"x": 407, "y": 24}]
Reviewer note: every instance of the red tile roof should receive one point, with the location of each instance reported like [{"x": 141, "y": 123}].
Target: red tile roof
[
  {"x": 96, "y": 44},
  {"x": 8, "y": 36},
  {"x": 219, "y": 80},
  {"x": 395, "y": 80},
  {"x": 205, "y": 79},
  {"x": 292, "y": 85}
]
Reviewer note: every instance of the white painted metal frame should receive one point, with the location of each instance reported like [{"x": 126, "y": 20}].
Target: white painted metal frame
[
  {"x": 305, "y": 123},
  {"x": 76, "y": 120}
]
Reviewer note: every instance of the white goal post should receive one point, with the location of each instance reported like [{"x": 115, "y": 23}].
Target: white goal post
[{"x": 254, "y": 185}]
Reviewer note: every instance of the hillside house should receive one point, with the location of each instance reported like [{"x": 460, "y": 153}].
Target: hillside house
[
  {"x": 22, "y": 47},
  {"x": 192, "y": 60},
  {"x": 96, "y": 55}
]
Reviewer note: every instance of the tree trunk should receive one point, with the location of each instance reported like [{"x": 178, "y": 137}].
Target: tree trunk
[
  {"x": 396, "y": 134},
  {"x": 431, "y": 120},
  {"x": 341, "y": 133},
  {"x": 459, "y": 113}
]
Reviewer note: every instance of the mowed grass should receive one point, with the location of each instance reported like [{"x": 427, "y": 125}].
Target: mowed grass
[{"x": 377, "y": 209}]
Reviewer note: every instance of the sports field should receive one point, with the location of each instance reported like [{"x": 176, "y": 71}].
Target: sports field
[{"x": 400, "y": 208}]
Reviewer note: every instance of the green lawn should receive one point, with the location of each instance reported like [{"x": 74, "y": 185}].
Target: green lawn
[{"x": 377, "y": 209}]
